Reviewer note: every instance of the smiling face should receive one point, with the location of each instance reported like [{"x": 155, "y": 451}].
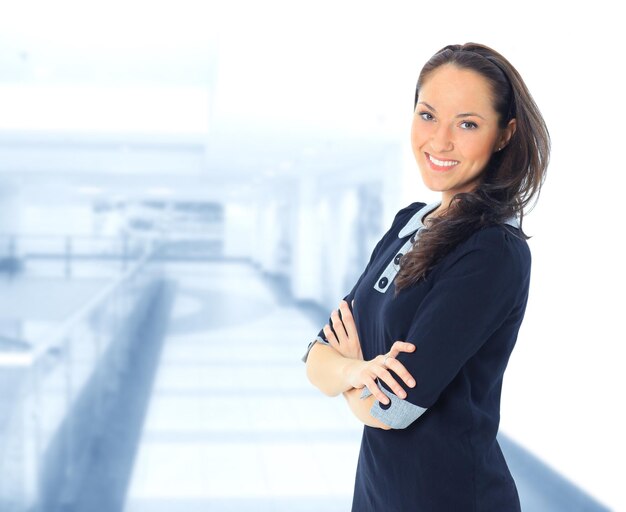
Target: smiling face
[{"x": 455, "y": 130}]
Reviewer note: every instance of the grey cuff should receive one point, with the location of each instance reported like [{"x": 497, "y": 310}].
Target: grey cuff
[
  {"x": 398, "y": 414},
  {"x": 319, "y": 339}
]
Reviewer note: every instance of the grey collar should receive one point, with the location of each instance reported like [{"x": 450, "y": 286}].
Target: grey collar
[
  {"x": 512, "y": 221},
  {"x": 415, "y": 222}
]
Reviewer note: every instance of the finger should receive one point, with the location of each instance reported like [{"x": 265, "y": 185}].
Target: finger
[
  {"x": 370, "y": 383},
  {"x": 330, "y": 337},
  {"x": 348, "y": 319},
  {"x": 399, "y": 369},
  {"x": 383, "y": 374},
  {"x": 340, "y": 329},
  {"x": 401, "y": 346}
]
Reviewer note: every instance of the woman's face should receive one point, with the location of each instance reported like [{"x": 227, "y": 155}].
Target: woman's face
[{"x": 455, "y": 130}]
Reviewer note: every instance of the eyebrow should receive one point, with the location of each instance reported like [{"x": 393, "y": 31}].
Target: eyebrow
[{"x": 464, "y": 114}]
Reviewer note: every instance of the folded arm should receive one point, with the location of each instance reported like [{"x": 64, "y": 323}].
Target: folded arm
[{"x": 361, "y": 408}]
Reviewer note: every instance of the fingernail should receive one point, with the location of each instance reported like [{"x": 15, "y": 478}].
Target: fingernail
[
  {"x": 411, "y": 383},
  {"x": 403, "y": 395}
]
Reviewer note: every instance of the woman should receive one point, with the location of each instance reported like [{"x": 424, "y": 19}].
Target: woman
[{"x": 450, "y": 281}]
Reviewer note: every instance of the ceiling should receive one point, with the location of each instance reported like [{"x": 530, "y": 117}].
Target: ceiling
[
  {"x": 265, "y": 89},
  {"x": 260, "y": 91}
]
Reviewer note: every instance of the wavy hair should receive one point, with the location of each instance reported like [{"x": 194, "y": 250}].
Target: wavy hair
[{"x": 512, "y": 178}]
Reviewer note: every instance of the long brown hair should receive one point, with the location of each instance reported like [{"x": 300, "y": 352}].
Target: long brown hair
[{"x": 513, "y": 176}]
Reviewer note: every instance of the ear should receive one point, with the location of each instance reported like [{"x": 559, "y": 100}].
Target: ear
[{"x": 506, "y": 135}]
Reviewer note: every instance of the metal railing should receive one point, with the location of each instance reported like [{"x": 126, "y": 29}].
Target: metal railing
[
  {"x": 52, "y": 256},
  {"x": 18, "y": 252},
  {"x": 54, "y": 392}
]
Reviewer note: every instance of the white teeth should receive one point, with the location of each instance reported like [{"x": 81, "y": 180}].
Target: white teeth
[{"x": 440, "y": 163}]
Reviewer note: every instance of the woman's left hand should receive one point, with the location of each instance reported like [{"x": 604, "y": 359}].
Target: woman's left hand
[{"x": 347, "y": 340}]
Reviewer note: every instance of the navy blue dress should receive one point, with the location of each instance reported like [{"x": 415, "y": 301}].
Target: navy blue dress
[{"x": 464, "y": 319}]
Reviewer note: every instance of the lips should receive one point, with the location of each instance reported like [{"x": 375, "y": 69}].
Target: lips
[{"x": 439, "y": 164}]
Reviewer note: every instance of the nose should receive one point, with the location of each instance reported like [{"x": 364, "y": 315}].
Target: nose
[{"x": 441, "y": 140}]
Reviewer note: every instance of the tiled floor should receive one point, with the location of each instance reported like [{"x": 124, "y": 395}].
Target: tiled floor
[{"x": 233, "y": 424}]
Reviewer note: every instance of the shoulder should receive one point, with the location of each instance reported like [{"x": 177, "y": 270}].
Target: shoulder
[
  {"x": 506, "y": 240},
  {"x": 401, "y": 218},
  {"x": 408, "y": 211},
  {"x": 405, "y": 215},
  {"x": 499, "y": 248}
]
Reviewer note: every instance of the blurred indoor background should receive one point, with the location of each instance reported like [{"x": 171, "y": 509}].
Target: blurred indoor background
[{"x": 187, "y": 189}]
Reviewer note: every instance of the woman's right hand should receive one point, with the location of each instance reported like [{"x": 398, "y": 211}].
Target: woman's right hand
[{"x": 362, "y": 374}]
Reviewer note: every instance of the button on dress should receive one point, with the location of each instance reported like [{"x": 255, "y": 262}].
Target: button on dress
[{"x": 463, "y": 318}]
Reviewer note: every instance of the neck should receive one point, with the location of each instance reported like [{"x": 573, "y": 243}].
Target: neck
[{"x": 440, "y": 210}]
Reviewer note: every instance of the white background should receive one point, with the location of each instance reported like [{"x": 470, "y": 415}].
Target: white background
[{"x": 350, "y": 67}]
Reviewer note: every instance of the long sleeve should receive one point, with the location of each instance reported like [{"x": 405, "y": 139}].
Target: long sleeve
[{"x": 476, "y": 301}]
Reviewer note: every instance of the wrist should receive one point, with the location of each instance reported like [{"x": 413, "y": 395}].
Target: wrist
[{"x": 349, "y": 371}]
